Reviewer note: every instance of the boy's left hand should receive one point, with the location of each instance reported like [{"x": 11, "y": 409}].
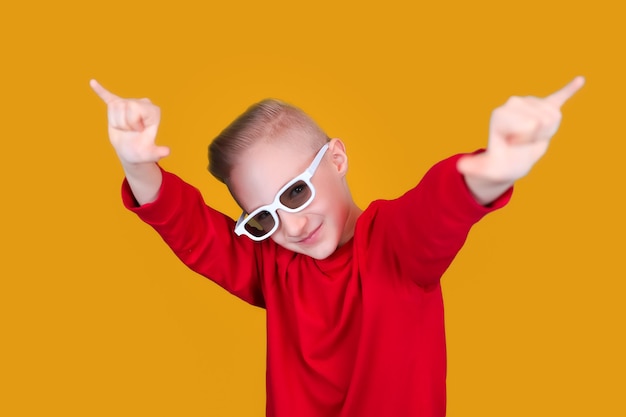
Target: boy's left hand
[{"x": 519, "y": 135}]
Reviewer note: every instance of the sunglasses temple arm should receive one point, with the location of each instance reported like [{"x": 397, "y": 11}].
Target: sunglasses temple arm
[{"x": 318, "y": 158}]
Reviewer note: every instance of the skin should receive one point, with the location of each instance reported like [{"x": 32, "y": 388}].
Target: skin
[
  {"x": 520, "y": 132},
  {"x": 133, "y": 125},
  {"x": 328, "y": 222}
]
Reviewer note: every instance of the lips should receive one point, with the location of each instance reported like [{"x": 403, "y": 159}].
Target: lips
[{"x": 311, "y": 236}]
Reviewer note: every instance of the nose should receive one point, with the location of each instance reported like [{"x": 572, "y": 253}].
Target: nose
[{"x": 293, "y": 224}]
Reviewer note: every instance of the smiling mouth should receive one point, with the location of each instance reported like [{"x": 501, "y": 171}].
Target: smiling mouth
[{"x": 310, "y": 236}]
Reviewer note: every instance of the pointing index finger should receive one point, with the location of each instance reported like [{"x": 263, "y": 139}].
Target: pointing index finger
[
  {"x": 561, "y": 96},
  {"x": 102, "y": 92}
]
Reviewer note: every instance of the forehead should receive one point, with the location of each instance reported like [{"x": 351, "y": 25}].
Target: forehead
[{"x": 264, "y": 168}]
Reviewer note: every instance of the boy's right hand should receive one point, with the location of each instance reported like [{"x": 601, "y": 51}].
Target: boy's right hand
[{"x": 133, "y": 125}]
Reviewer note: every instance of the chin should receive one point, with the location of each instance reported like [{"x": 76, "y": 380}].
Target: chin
[
  {"x": 319, "y": 255},
  {"x": 320, "y": 248},
  {"x": 320, "y": 251}
]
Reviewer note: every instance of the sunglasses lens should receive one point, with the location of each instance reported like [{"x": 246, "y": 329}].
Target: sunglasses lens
[
  {"x": 261, "y": 224},
  {"x": 297, "y": 195}
]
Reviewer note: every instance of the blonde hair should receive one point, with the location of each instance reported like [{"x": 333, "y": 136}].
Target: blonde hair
[{"x": 267, "y": 120}]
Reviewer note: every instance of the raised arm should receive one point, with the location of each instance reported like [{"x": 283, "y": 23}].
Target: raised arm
[
  {"x": 133, "y": 125},
  {"x": 519, "y": 135}
]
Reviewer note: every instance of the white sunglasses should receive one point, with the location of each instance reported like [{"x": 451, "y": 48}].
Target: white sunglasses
[{"x": 294, "y": 196}]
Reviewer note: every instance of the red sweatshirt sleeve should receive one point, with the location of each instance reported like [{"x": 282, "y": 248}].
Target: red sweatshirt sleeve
[
  {"x": 424, "y": 229},
  {"x": 202, "y": 237}
]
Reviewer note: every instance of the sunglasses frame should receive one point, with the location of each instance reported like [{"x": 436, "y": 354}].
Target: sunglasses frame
[{"x": 240, "y": 227}]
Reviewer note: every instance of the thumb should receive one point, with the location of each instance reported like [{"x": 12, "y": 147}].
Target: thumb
[
  {"x": 160, "y": 152},
  {"x": 469, "y": 164}
]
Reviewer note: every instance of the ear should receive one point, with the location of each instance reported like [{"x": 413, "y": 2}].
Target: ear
[{"x": 339, "y": 157}]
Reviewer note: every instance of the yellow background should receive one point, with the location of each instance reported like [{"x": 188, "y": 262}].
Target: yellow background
[{"x": 99, "y": 319}]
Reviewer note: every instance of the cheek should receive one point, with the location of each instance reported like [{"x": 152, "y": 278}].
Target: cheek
[
  {"x": 330, "y": 201},
  {"x": 277, "y": 237},
  {"x": 320, "y": 207}
]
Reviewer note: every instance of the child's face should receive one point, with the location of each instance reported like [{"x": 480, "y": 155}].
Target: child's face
[{"x": 320, "y": 227}]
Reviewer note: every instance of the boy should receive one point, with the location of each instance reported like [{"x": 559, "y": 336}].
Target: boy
[{"x": 355, "y": 322}]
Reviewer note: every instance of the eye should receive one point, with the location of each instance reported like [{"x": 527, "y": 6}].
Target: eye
[
  {"x": 261, "y": 222},
  {"x": 296, "y": 195},
  {"x": 262, "y": 216},
  {"x": 300, "y": 188}
]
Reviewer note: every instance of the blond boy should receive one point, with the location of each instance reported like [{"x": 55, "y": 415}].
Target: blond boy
[{"x": 354, "y": 308}]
